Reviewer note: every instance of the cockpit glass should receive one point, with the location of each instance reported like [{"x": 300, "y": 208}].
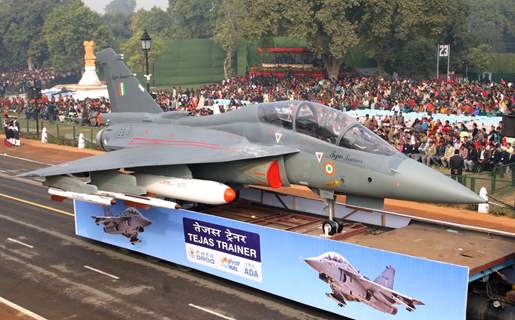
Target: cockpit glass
[
  {"x": 333, "y": 257},
  {"x": 278, "y": 113},
  {"x": 360, "y": 138},
  {"x": 321, "y": 122},
  {"x": 324, "y": 123}
]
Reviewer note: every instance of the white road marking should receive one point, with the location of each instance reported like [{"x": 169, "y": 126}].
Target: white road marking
[
  {"x": 21, "y": 243},
  {"x": 102, "y": 272},
  {"x": 21, "y": 309},
  {"x": 210, "y": 312},
  {"x": 25, "y": 159}
]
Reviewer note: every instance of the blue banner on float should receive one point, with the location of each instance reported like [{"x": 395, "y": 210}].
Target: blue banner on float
[{"x": 347, "y": 279}]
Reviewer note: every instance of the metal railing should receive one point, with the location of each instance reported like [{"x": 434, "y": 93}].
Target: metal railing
[
  {"x": 502, "y": 176},
  {"x": 65, "y": 133}
]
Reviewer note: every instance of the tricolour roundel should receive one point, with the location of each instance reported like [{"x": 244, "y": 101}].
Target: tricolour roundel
[{"x": 329, "y": 168}]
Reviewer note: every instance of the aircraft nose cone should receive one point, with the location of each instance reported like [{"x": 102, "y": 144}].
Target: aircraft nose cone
[
  {"x": 313, "y": 263},
  {"x": 416, "y": 181}
]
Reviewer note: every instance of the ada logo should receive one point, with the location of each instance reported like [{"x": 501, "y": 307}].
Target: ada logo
[{"x": 329, "y": 168}]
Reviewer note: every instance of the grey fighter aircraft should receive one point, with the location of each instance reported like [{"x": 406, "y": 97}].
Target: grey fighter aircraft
[
  {"x": 129, "y": 224},
  {"x": 347, "y": 284},
  {"x": 205, "y": 159}
]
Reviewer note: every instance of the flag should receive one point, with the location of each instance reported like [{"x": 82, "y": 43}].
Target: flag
[{"x": 122, "y": 88}]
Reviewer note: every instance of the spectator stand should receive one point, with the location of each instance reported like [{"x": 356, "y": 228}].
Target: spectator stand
[{"x": 281, "y": 62}]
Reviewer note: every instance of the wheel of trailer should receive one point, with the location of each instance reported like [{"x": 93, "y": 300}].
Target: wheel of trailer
[{"x": 330, "y": 227}]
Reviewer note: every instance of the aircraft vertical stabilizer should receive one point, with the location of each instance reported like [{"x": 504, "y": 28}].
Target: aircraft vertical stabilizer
[
  {"x": 386, "y": 277},
  {"x": 125, "y": 91}
]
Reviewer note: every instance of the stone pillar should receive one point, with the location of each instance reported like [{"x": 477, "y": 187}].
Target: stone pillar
[{"x": 89, "y": 78}]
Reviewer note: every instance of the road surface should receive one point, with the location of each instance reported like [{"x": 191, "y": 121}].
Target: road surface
[{"x": 48, "y": 270}]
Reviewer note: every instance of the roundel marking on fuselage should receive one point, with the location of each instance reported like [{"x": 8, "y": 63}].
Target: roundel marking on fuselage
[{"x": 329, "y": 168}]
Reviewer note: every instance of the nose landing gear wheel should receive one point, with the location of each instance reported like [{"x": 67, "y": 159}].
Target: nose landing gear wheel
[{"x": 330, "y": 227}]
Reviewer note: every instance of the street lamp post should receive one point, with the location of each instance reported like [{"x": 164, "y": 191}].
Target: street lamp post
[{"x": 146, "y": 43}]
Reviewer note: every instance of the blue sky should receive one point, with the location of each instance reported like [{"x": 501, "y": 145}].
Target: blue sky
[{"x": 442, "y": 287}]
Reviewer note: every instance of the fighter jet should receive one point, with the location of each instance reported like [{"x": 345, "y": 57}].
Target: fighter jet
[
  {"x": 173, "y": 156},
  {"x": 347, "y": 284},
  {"x": 129, "y": 224}
]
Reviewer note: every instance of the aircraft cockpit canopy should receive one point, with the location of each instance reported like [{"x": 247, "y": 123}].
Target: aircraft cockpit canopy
[
  {"x": 324, "y": 123},
  {"x": 333, "y": 256}
]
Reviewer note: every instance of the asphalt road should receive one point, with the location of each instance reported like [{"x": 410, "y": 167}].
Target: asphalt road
[{"x": 45, "y": 268}]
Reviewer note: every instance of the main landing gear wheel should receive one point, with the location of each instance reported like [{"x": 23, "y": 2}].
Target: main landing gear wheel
[
  {"x": 330, "y": 227},
  {"x": 340, "y": 225}
]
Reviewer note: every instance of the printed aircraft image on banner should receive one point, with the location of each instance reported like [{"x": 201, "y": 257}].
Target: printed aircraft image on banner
[
  {"x": 168, "y": 159},
  {"x": 129, "y": 223},
  {"x": 348, "y": 284}
]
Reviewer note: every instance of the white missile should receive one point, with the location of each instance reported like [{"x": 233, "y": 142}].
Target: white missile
[
  {"x": 142, "y": 200},
  {"x": 193, "y": 190},
  {"x": 58, "y": 194}
]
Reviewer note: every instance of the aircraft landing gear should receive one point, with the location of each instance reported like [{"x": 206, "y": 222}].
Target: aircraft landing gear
[{"x": 331, "y": 226}]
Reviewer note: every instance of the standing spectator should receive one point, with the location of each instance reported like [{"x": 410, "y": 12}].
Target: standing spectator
[{"x": 456, "y": 164}]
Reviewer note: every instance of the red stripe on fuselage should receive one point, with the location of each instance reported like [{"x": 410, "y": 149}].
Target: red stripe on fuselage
[{"x": 135, "y": 141}]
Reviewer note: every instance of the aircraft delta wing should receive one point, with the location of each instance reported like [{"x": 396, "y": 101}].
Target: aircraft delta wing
[
  {"x": 106, "y": 220},
  {"x": 386, "y": 295},
  {"x": 183, "y": 148}
]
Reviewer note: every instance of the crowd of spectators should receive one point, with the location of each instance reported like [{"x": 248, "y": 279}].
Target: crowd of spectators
[
  {"x": 430, "y": 141},
  {"x": 351, "y": 92},
  {"x": 61, "y": 109},
  {"x": 19, "y": 81},
  {"x": 435, "y": 142}
]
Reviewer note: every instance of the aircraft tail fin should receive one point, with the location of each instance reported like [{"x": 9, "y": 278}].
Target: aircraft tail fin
[
  {"x": 125, "y": 91},
  {"x": 386, "y": 277}
]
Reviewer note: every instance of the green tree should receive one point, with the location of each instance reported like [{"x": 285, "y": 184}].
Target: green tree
[
  {"x": 65, "y": 30},
  {"x": 120, "y": 7},
  {"x": 480, "y": 58},
  {"x": 230, "y": 14},
  {"x": 120, "y": 28},
  {"x": 330, "y": 27},
  {"x": 117, "y": 18},
  {"x": 21, "y": 25},
  {"x": 133, "y": 54},
  {"x": 492, "y": 22},
  {"x": 157, "y": 22},
  {"x": 193, "y": 18},
  {"x": 403, "y": 35}
]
